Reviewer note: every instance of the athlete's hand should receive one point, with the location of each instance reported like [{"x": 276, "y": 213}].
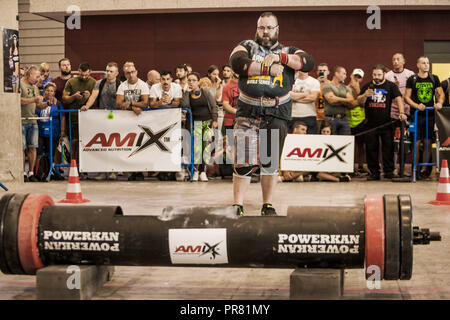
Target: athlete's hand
[
  {"x": 402, "y": 117},
  {"x": 271, "y": 59},
  {"x": 438, "y": 106},
  {"x": 276, "y": 69}
]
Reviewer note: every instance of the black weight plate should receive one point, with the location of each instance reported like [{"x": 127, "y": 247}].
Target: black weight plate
[
  {"x": 3, "y": 205},
  {"x": 406, "y": 235},
  {"x": 392, "y": 237},
  {"x": 11, "y": 220}
]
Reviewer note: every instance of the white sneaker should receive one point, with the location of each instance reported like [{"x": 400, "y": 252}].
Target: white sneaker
[
  {"x": 195, "y": 177},
  {"x": 203, "y": 177}
]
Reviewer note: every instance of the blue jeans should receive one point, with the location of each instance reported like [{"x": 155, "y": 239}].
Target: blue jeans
[
  {"x": 30, "y": 135},
  {"x": 340, "y": 126}
]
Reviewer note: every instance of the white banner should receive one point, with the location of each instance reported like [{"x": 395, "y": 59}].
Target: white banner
[
  {"x": 198, "y": 246},
  {"x": 318, "y": 153},
  {"x": 127, "y": 142}
]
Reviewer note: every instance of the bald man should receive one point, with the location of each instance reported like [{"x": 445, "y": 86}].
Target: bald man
[
  {"x": 153, "y": 77},
  {"x": 45, "y": 78},
  {"x": 398, "y": 75}
]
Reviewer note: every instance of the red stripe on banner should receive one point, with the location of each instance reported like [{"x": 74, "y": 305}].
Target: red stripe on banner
[{"x": 74, "y": 179}]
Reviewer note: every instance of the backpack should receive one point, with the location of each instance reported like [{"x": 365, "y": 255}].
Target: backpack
[
  {"x": 100, "y": 89},
  {"x": 42, "y": 168}
]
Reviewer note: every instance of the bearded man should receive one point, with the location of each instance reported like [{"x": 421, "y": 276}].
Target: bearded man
[
  {"x": 266, "y": 71},
  {"x": 76, "y": 93},
  {"x": 377, "y": 97}
]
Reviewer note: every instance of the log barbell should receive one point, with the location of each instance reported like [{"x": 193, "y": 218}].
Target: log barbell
[{"x": 376, "y": 232}]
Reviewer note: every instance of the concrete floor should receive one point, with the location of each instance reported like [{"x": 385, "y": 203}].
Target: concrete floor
[{"x": 431, "y": 275}]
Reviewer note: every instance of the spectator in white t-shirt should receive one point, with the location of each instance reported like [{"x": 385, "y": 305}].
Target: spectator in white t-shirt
[
  {"x": 304, "y": 94},
  {"x": 398, "y": 75},
  {"x": 133, "y": 95},
  {"x": 166, "y": 93}
]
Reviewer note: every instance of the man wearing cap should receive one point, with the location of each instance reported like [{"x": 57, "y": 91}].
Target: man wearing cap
[{"x": 266, "y": 71}]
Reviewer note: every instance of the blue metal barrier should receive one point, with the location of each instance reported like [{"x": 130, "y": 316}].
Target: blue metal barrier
[
  {"x": 415, "y": 129},
  {"x": 190, "y": 165}
]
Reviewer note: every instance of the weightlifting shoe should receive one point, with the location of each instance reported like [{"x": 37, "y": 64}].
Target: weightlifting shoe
[
  {"x": 239, "y": 209},
  {"x": 268, "y": 210}
]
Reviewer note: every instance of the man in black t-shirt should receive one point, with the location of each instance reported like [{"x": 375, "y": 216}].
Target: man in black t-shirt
[
  {"x": 377, "y": 97},
  {"x": 421, "y": 90},
  {"x": 266, "y": 74}
]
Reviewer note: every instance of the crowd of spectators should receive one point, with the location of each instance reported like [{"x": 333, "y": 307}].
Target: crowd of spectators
[{"x": 371, "y": 109}]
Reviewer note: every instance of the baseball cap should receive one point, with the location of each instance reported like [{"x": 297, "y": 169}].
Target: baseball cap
[{"x": 358, "y": 72}]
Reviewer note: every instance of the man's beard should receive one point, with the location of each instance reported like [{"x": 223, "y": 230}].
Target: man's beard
[
  {"x": 66, "y": 73},
  {"x": 266, "y": 43},
  {"x": 378, "y": 81}
]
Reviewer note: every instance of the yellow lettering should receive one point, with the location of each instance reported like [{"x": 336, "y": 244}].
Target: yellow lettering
[{"x": 279, "y": 78}]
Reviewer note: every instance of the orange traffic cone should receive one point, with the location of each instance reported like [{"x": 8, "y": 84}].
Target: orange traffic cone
[
  {"x": 443, "y": 192},
  {"x": 73, "y": 194}
]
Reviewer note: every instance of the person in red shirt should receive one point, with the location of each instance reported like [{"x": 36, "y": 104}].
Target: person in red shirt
[{"x": 230, "y": 95}]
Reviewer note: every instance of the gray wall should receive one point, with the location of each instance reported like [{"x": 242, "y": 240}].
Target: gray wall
[
  {"x": 41, "y": 39},
  {"x": 11, "y": 159}
]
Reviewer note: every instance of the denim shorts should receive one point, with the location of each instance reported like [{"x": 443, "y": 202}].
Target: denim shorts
[{"x": 30, "y": 135}]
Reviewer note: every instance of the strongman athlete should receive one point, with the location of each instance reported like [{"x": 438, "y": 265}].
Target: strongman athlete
[{"x": 266, "y": 74}]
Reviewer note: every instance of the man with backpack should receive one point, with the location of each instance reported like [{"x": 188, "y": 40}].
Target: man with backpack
[
  {"x": 103, "y": 97},
  {"x": 421, "y": 90}
]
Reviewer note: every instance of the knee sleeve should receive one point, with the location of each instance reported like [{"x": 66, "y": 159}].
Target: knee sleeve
[
  {"x": 243, "y": 172},
  {"x": 269, "y": 171}
]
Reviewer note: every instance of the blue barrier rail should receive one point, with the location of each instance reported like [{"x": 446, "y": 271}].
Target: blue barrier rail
[{"x": 189, "y": 165}]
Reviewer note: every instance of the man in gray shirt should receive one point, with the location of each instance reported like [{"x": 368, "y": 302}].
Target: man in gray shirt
[
  {"x": 104, "y": 94},
  {"x": 103, "y": 97},
  {"x": 338, "y": 99}
]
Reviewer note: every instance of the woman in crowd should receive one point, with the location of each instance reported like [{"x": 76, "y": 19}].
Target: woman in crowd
[
  {"x": 326, "y": 129},
  {"x": 204, "y": 113},
  {"x": 53, "y": 105},
  {"x": 14, "y": 62}
]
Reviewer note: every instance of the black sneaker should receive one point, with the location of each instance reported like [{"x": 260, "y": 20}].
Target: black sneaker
[
  {"x": 373, "y": 177},
  {"x": 389, "y": 175},
  {"x": 139, "y": 176},
  {"x": 345, "y": 178},
  {"x": 33, "y": 179},
  {"x": 239, "y": 210},
  {"x": 268, "y": 210}
]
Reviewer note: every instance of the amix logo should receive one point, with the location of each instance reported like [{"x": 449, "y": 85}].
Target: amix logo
[
  {"x": 320, "y": 153},
  {"x": 135, "y": 142},
  {"x": 200, "y": 250}
]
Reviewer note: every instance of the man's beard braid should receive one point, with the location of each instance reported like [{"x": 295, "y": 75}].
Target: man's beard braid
[{"x": 271, "y": 42}]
